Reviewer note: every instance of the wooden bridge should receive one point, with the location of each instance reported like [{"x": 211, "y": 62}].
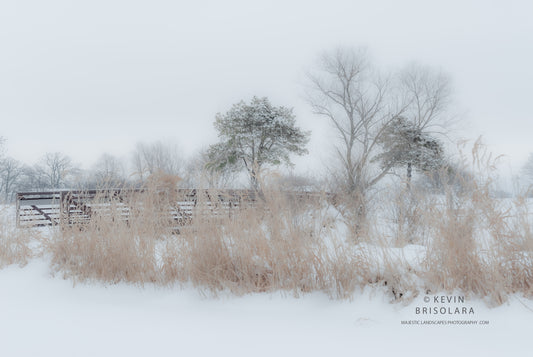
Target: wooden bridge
[
  {"x": 65, "y": 207},
  {"x": 38, "y": 209}
]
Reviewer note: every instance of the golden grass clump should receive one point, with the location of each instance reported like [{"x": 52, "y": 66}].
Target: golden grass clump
[
  {"x": 513, "y": 249},
  {"x": 453, "y": 257},
  {"x": 108, "y": 247},
  {"x": 14, "y": 243},
  {"x": 275, "y": 243},
  {"x": 480, "y": 244}
]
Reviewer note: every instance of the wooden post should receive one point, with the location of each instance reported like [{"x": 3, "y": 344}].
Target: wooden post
[
  {"x": 62, "y": 208},
  {"x": 18, "y": 210}
]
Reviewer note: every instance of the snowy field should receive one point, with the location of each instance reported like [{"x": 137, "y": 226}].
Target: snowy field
[{"x": 42, "y": 315}]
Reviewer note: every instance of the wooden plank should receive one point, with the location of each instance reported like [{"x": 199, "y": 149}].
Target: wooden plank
[
  {"x": 40, "y": 202},
  {"x": 75, "y": 205},
  {"x": 45, "y": 215}
]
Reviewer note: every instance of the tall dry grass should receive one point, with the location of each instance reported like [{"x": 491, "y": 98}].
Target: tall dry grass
[
  {"x": 15, "y": 245},
  {"x": 118, "y": 243},
  {"x": 464, "y": 239},
  {"x": 275, "y": 244},
  {"x": 480, "y": 245},
  {"x": 473, "y": 242}
]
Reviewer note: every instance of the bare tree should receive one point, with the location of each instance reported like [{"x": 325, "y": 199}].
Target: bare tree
[
  {"x": 109, "y": 171},
  {"x": 10, "y": 174},
  {"x": 356, "y": 99},
  {"x": 156, "y": 157},
  {"x": 361, "y": 104},
  {"x": 427, "y": 93},
  {"x": 32, "y": 179},
  {"x": 55, "y": 169}
]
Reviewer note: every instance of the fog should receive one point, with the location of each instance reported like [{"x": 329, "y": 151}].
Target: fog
[{"x": 97, "y": 76}]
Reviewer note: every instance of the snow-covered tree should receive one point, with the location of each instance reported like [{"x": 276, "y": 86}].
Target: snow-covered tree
[
  {"x": 256, "y": 135},
  {"x": 406, "y": 145}
]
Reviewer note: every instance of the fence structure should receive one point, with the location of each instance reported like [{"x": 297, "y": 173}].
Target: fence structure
[
  {"x": 49, "y": 208},
  {"x": 62, "y": 207}
]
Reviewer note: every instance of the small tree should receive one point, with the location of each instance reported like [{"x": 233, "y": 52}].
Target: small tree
[
  {"x": 254, "y": 135},
  {"x": 405, "y": 144}
]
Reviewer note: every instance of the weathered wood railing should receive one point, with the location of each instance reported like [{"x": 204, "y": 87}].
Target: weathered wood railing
[{"x": 38, "y": 209}]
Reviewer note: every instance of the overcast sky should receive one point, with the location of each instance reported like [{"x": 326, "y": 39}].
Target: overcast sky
[{"x": 88, "y": 77}]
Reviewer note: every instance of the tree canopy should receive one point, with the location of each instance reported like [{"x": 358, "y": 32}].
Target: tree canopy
[
  {"x": 256, "y": 135},
  {"x": 406, "y": 144},
  {"x": 361, "y": 103}
]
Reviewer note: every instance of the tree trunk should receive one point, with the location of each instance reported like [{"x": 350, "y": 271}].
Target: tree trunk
[
  {"x": 253, "y": 180},
  {"x": 409, "y": 175}
]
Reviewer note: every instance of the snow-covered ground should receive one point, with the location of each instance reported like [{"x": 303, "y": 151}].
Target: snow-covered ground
[
  {"x": 43, "y": 315},
  {"x": 46, "y": 315}
]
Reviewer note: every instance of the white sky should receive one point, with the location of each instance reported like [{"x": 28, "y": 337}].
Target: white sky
[{"x": 88, "y": 77}]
